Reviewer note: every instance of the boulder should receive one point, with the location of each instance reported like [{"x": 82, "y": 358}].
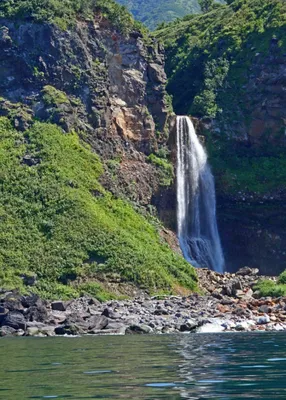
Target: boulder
[
  {"x": 248, "y": 295},
  {"x": 168, "y": 330},
  {"x": 263, "y": 320},
  {"x": 3, "y": 312},
  {"x": 20, "y": 332},
  {"x": 35, "y": 313},
  {"x": 7, "y": 331},
  {"x": 48, "y": 330},
  {"x": 32, "y": 331},
  {"x": 117, "y": 327},
  {"x": 161, "y": 311},
  {"x": 106, "y": 332},
  {"x": 15, "y": 320},
  {"x": 232, "y": 287},
  {"x": 58, "y": 306},
  {"x": 32, "y": 301},
  {"x": 109, "y": 313},
  {"x": 139, "y": 329},
  {"x": 68, "y": 329},
  {"x": 12, "y": 301},
  {"x": 241, "y": 312},
  {"x": 247, "y": 271},
  {"x": 97, "y": 322},
  {"x": 189, "y": 325},
  {"x": 265, "y": 309},
  {"x": 211, "y": 326},
  {"x": 244, "y": 325},
  {"x": 217, "y": 295}
]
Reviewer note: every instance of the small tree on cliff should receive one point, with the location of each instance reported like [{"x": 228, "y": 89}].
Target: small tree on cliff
[{"x": 206, "y": 5}]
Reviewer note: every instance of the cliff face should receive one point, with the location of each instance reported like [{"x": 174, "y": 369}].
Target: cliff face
[
  {"x": 251, "y": 176},
  {"x": 228, "y": 69},
  {"x": 84, "y": 122},
  {"x": 255, "y": 114},
  {"x": 251, "y": 208},
  {"x": 96, "y": 81}
]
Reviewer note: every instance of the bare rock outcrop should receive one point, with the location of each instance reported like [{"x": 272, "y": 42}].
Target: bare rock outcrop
[{"x": 107, "y": 86}]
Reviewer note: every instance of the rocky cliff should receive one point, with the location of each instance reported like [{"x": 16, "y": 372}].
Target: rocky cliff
[
  {"x": 95, "y": 81},
  {"x": 227, "y": 67},
  {"x": 251, "y": 177},
  {"x": 84, "y": 129}
]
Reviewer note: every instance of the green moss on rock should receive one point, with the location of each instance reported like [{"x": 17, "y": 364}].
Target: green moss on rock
[
  {"x": 53, "y": 96},
  {"x": 165, "y": 169}
]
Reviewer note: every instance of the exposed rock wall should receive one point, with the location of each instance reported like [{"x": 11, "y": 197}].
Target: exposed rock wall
[
  {"x": 253, "y": 234},
  {"x": 108, "y": 87},
  {"x": 252, "y": 224},
  {"x": 255, "y": 113}
]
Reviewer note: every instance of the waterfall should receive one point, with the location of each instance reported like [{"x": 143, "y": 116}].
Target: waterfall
[{"x": 196, "y": 202}]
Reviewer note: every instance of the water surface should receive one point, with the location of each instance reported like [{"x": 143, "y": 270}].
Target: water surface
[{"x": 203, "y": 366}]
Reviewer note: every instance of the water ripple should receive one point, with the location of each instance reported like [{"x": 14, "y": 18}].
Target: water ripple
[{"x": 207, "y": 367}]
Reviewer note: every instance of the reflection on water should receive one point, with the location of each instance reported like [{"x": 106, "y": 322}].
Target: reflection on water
[
  {"x": 229, "y": 366},
  {"x": 215, "y": 366}
]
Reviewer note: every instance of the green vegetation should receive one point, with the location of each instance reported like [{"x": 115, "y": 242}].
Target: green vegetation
[
  {"x": 38, "y": 74},
  {"x": 95, "y": 290},
  {"x": 206, "y": 5},
  {"x": 15, "y": 111},
  {"x": 210, "y": 59},
  {"x": 271, "y": 288},
  {"x": 214, "y": 76},
  {"x": 209, "y": 55},
  {"x": 282, "y": 278},
  {"x": 240, "y": 168},
  {"x": 64, "y": 13},
  {"x": 59, "y": 223},
  {"x": 53, "y": 96},
  {"x": 154, "y": 12},
  {"x": 165, "y": 168}
]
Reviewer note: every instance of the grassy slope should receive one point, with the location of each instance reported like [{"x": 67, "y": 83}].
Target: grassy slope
[
  {"x": 154, "y": 12},
  {"x": 208, "y": 60},
  {"x": 58, "y": 222}
]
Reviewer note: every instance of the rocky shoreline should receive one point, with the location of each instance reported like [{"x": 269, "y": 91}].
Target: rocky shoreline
[{"x": 229, "y": 304}]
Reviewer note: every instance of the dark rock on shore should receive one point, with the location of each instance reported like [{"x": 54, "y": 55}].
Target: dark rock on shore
[
  {"x": 96, "y": 322},
  {"x": 7, "y": 331},
  {"x": 229, "y": 304}
]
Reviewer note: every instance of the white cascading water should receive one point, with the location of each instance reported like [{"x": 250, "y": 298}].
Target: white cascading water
[{"x": 196, "y": 202}]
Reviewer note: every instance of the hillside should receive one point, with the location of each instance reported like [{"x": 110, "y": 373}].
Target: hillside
[
  {"x": 84, "y": 120},
  {"x": 152, "y": 13},
  {"x": 228, "y": 68},
  {"x": 215, "y": 51}
]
